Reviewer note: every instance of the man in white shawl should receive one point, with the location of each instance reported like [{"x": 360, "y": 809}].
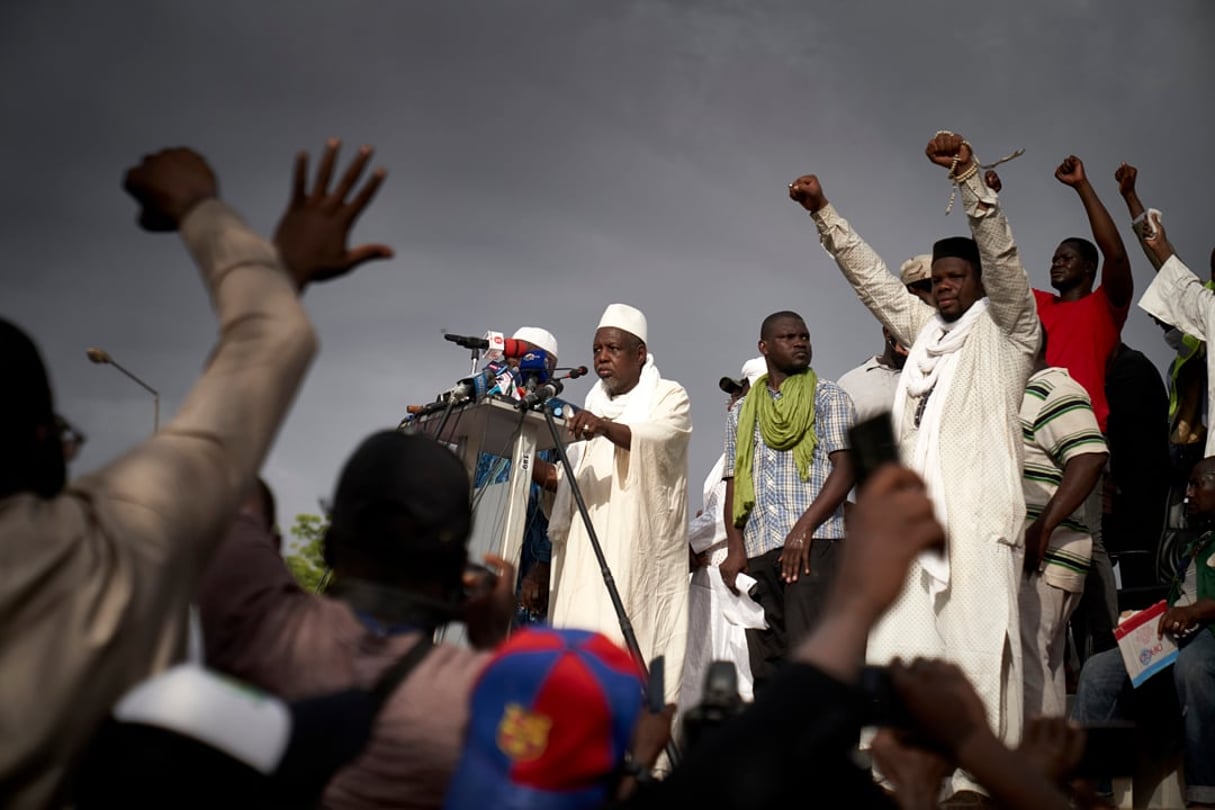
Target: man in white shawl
[
  {"x": 956, "y": 415},
  {"x": 630, "y": 459}
]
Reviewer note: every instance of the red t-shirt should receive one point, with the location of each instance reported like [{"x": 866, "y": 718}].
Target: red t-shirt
[{"x": 1081, "y": 335}]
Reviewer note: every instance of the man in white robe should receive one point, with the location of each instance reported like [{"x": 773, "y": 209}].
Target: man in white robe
[
  {"x": 630, "y": 460},
  {"x": 956, "y": 417},
  {"x": 718, "y": 619}
]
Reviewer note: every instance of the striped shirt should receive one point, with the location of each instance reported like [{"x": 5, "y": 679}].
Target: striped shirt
[
  {"x": 781, "y": 496},
  {"x": 1058, "y": 424}
]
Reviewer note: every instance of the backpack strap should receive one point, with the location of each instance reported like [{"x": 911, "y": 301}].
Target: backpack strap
[{"x": 399, "y": 671}]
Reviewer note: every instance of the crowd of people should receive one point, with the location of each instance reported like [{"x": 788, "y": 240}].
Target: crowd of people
[{"x": 933, "y": 612}]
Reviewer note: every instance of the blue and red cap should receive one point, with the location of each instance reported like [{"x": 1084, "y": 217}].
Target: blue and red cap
[{"x": 552, "y": 717}]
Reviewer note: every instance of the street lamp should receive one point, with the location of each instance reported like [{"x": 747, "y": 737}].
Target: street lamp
[{"x": 102, "y": 358}]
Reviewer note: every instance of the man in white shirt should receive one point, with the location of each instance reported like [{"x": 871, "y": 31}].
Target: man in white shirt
[{"x": 872, "y": 384}]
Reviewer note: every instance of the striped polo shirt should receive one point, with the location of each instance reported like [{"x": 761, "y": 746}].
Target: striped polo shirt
[{"x": 1058, "y": 424}]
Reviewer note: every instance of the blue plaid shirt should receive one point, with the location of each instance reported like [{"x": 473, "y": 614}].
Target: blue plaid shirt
[{"x": 781, "y": 497}]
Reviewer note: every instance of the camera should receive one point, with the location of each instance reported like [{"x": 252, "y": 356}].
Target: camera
[
  {"x": 880, "y": 703},
  {"x": 719, "y": 702}
]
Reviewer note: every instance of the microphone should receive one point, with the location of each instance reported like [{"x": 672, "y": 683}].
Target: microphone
[
  {"x": 468, "y": 341},
  {"x": 533, "y": 366},
  {"x": 575, "y": 373},
  {"x": 495, "y": 346},
  {"x": 542, "y": 394},
  {"x": 475, "y": 388}
]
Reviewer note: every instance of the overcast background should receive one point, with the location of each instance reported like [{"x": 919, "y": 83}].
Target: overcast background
[{"x": 548, "y": 158}]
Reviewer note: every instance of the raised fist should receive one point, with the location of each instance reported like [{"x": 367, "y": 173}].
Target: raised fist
[
  {"x": 1070, "y": 171},
  {"x": 167, "y": 185},
  {"x": 993, "y": 181},
  {"x": 1126, "y": 175},
  {"x": 945, "y": 148},
  {"x": 806, "y": 191}
]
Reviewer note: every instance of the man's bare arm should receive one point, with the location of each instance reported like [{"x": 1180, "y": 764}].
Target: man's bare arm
[{"x": 1115, "y": 266}]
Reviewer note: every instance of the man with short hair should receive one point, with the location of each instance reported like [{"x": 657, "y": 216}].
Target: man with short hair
[
  {"x": 397, "y": 544},
  {"x": 1064, "y": 457},
  {"x": 957, "y": 421},
  {"x": 630, "y": 461},
  {"x": 787, "y": 474},
  {"x": 872, "y": 385},
  {"x": 1083, "y": 322},
  {"x": 98, "y": 573},
  {"x": 1084, "y": 327}
]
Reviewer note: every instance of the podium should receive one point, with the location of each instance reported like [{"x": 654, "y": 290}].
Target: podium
[{"x": 495, "y": 426}]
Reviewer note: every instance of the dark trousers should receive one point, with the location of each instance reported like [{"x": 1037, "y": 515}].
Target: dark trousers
[{"x": 792, "y": 609}]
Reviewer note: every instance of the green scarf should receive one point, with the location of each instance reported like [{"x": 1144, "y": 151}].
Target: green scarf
[{"x": 785, "y": 424}]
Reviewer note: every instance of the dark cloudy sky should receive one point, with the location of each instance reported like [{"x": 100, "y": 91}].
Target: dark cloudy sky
[{"x": 548, "y": 158}]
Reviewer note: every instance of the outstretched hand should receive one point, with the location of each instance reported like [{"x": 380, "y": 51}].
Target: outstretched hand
[
  {"x": 915, "y": 772},
  {"x": 1126, "y": 174},
  {"x": 1071, "y": 171},
  {"x": 951, "y": 151},
  {"x": 944, "y": 705},
  {"x": 312, "y": 235},
  {"x": 491, "y": 603},
  {"x": 808, "y": 192},
  {"x": 167, "y": 185}
]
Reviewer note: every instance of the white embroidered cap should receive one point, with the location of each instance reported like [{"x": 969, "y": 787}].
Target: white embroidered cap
[
  {"x": 624, "y": 317},
  {"x": 540, "y": 338}
]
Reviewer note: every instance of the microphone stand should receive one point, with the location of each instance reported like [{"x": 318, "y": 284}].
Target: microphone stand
[{"x": 626, "y": 626}]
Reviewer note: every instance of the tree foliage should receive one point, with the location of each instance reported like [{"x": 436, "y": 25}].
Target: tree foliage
[{"x": 306, "y": 560}]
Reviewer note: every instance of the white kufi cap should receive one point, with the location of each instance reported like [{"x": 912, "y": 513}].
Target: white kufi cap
[
  {"x": 540, "y": 338},
  {"x": 754, "y": 368},
  {"x": 627, "y": 318}
]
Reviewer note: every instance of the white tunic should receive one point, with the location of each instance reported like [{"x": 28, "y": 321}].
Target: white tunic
[
  {"x": 974, "y": 621},
  {"x": 637, "y": 501},
  {"x": 1178, "y": 297}
]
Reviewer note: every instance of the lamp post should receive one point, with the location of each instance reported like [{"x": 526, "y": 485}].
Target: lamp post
[{"x": 102, "y": 358}]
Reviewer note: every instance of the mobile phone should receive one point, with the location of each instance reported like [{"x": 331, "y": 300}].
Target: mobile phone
[
  {"x": 655, "y": 691},
  {"x": 872, "y": 445}
]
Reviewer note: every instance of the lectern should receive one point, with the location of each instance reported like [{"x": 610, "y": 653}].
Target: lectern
[{"x": 494, "y": 426}]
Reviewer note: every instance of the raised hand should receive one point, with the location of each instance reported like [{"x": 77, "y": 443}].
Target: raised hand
[
  {"x": 1126, "y": 175},
  {"x": 311, "y": 236},
  {"x": 949, "y": 150},
  {"x": 1156, "y": 240},
  {"x": 1071, "y": 172},
  {"x": 945, "y": 707},
  {"x": 491, "y": 603},
  {"x": 807, "y": 191},
  {"x": 167, "y": 185},
  {"x": 915, "y": 772},
  {"x": 993, "y": 181}
]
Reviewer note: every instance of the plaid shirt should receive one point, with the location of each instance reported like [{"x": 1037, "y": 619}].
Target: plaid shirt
[{"x": 781, "y": 497}]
